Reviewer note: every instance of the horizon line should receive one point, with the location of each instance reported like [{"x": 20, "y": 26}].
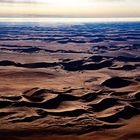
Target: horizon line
[
  {"x": 56, "y": 16},
  {"x": 69, "y": 19}
]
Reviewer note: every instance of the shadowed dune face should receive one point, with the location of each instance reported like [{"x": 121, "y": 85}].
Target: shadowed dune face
[
  {"x": 69, "y": 80},
  {"x": 116, "y": 82}
]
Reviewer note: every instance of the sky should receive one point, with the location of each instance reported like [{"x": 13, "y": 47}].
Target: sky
[{"x": 70, "y": 8}]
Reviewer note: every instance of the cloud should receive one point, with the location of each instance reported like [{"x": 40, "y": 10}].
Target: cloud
[
  {"x": 18, "y": 1},
  {"x": 73, "y": 8}
]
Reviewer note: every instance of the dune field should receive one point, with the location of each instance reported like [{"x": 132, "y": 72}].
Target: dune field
[{"x": 70, "y": 81}]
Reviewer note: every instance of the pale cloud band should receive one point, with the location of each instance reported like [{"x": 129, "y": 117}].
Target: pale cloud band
[
  {"x": 17, "y": 1},
  {"x": 72, "y": 8}
]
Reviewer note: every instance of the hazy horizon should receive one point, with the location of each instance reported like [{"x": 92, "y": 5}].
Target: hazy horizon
[{"x": 66, "y": 19}]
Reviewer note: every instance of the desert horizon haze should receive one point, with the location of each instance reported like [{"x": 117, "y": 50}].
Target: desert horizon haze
[
  {"x": 47, "y": 20},
  {"x": 70, "y": 8}
]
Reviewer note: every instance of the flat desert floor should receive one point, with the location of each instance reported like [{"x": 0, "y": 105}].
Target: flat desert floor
[{"x": 70, "y": 81}]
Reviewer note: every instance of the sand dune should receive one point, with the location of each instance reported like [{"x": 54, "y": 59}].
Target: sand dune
[
  {"x": 106, "y": 110},
  {"x": 78, "y": 82}
]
